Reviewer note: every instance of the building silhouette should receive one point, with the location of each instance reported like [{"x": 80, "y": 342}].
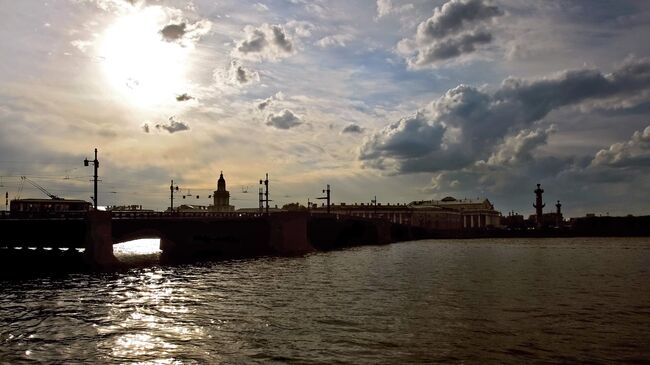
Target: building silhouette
[
  {"x": 446, "y": 214},
  {"x": 221, "y": 197},
  {"x": 539, "y": 206},
  {"x": 474, "y": 213}
]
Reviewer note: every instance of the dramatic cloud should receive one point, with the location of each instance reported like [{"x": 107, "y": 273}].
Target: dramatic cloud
[
  {"x": 352, "y": 129},
  {"x": 183, "y": 97},
  {"x": 267, "y": 42},
  {"x": 465, "y": 124},
  {"x": 286, "y": 119},
  {"x": 451, "y": 48},
  {"x": 454, "y": 16},
  {"x": 172, "y": 127},
  {"x": 455, "y": 29},
  {"x": 633, "y": 153}
]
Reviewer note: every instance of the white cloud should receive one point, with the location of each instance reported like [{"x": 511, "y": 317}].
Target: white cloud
[
  {"x": 635, "y": 152},
  {"x": 261, "y": 7},
  {"x": 286, "y": 119},
  {"x": 386, "y": 7},
  {"x": 336, "y": 40}
]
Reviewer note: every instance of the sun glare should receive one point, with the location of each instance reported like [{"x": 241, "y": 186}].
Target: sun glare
[{"x": 139, "y": 63}]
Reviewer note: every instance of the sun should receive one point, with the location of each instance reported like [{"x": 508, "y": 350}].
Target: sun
[{"x": 139, "y": 63}]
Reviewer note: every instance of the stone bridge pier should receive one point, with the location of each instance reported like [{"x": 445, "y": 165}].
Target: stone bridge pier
[{"x": 99, "y": 240}]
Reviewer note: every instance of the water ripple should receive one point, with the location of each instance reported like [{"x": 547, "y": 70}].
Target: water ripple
[{"x": 475, "y": 301}]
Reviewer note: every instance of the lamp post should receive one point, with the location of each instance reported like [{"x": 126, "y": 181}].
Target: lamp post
[
  {"x": 172, "y": 188},
  {"x": 265, "y": 182},
  {"x": 327, "y": 197},
  {"x": 95, "y": 163}
]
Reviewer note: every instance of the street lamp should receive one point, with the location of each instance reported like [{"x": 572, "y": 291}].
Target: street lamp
[
  {"x": 172, "y": 188},
  {"x": 95, "y": 163},
  {"x": 326, "y": 197},
  {"x": 265, "y": 182}
]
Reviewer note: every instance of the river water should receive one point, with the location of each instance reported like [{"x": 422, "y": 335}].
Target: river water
[{"x": 436, "y": 301}]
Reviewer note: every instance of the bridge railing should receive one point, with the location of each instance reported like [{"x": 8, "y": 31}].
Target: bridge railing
[
  {"x": 159, "y": 215},
  {"x": 42, "y": 215}
]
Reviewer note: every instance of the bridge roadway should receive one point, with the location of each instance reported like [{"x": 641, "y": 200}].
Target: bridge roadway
[{"x": 197, "y": 235}]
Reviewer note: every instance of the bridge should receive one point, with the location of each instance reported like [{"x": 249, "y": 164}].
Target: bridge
[{"x": 187, "y": 236}]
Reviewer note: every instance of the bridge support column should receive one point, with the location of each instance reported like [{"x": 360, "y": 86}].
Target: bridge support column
[
  {"x": 288, "y": 234},
  {"x": 384, "y": 236},
  {"x": 99, "y": 242}
]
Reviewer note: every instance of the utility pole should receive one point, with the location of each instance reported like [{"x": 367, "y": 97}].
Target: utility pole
[
  {"x": 327, "y": 197},
  {"x": 7, "y": 201},
  {"x": 261, "y": 199},
  {"x": 171, "y": 191},
  {"x": 266, "y": 192},
  {"x": 374, "y": 202},
  {"x": 95, "y": 163}
]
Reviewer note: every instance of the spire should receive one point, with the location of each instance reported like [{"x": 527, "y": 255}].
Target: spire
[{"x": 221, "y": 183}]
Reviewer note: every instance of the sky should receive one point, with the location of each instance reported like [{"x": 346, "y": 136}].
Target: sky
[{"x": 402, "y": 100}]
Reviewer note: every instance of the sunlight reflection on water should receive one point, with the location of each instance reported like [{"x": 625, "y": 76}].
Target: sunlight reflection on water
[
  {"x": 138, "y": 247},
  {"x": 146, "y": 323}
]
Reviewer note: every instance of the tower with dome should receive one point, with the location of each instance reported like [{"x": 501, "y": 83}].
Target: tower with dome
[{"x": 221, "y": 197}]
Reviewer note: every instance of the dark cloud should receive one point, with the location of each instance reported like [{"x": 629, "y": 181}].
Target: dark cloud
[
  {"x": 352, "y": 128},
  {"x": 185, "y": 33},
  {"x": 465, "y": 124},
  {"x": 455, "y": 29},
  {"x": 265, "y": 103},
  {"x": 280, "y": 39},
  {"x": 455, "y": 16},
  {"x": 265, "y": 42},
  {"x": 145, "y": 128},
  {"x": 240, "y": 75},
  {"x": 183, "y": 97},
  {"x": 173, "y": 126},
  {"x": 452, "y": 47},
  {"x": 286, "y": 119},
  {"x": 173, "y": 32}
]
